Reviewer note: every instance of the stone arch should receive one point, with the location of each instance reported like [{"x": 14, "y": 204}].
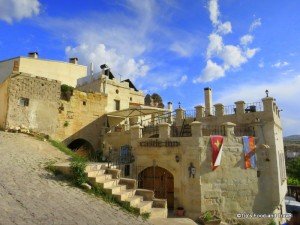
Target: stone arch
[
  {"x": 160, "y": 180},
  {"x": 82, "y": 147}
]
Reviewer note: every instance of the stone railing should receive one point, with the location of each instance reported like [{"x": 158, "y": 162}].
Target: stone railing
[{"x": 197, "y": 129}]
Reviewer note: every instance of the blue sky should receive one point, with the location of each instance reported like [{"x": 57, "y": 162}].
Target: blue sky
[{"x": 239, "y": 48}]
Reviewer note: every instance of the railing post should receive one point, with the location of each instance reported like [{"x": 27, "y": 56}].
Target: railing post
[
  {"x": 229, "y": 129},
  {"x": 268, "y": 104},
  {"x": 164, "y": 130},
  {"x": 136, "y": 132},
  {"x": 240, "y": 107},
  {"x": 196, "y": 128},
  {"x": 219, "y": 109},
  {"x": 179, "y": 116},
  {"x": 199, "y": 112}
]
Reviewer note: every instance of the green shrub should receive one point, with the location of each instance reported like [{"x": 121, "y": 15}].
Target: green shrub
[
  {"x": 78, "y": 166},
  {"x": 207, "y": 216},
  {"x": 293, "y": 181},
  {"x": 272, "y": 223},
  {"x": 66, "y": 123}
]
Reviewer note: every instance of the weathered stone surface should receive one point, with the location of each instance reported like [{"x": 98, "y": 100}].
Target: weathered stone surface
[{"x": 31, "y": 195}]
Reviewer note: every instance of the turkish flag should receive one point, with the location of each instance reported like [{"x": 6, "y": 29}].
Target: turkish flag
[{"x": 217, "y": 149}]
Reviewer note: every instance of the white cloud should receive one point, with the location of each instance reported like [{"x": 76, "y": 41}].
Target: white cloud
[
  {"x": 280, "y": 64},
  {"x": 224, "y": 28},
  {"x": 261, "y": 64},
  {"x": 231, "y": 56},
  {"x": 164, "y": 81},
  {"x": 211, "y": 72},
  {"x": 214, "y": 12},
  {"x": 215, "y": 45},
  {"x": 285, "y": 99},
  {"x": 250, "y": 52},
  {"x": 246, "y": 39},
  {"x": 256, "y": 23},
  {"x": 99, "y": 54},
  {"x": 11, "y": 10},
  {"x": 183, "y": 48}
]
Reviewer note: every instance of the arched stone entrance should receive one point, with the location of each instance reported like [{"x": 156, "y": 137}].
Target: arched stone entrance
[
  {"x": 161, "y": 181},
  {"x": 81, "y": 147}
]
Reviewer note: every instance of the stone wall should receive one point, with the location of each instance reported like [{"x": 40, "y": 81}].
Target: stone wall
[
  {"x": 3, "y": 103},
  {"x": 82, "y": 117},
  {"x": 115, "y": 90},
  {"x": 230, "y": 189},
  {"x": 43, "y": 101}
]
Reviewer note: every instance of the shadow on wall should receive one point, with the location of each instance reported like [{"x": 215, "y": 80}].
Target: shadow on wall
[{"x": 88, "y": 136}]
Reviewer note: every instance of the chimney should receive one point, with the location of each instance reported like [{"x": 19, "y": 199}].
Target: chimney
[
  {"x": 170, "y": 106},
  {"x": 73, "y": 60},
  {"x": 208, "y": 101},
  {"x": 34, "y": 55}
]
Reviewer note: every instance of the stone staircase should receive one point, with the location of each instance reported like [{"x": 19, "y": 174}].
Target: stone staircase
[{"x": 123, "y": 189}]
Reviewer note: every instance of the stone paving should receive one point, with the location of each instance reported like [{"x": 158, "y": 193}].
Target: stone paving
[{"x": 31, "y": 195}]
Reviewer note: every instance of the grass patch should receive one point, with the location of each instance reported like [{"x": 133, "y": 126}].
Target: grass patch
[
  {"x": 78, "y": 165},
  {"x": 99, "y": 192}
]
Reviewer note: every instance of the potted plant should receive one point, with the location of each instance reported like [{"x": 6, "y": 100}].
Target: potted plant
[
  {"x": 209, "y": 218},
  {"x": 180, "y": 211}
]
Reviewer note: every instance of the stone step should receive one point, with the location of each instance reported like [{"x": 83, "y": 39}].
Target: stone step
[
  {"x": 134, "y": 201},
  {"x": 124, "y": 194},
  {"x": 95, "y": 173},
  {"x": 102, "y": 178},
  {"x": 94, "y": 167},
  {"x": 115, "y": 189},
  {"x": 145, "y": 206},
  {"x": 108, "y": 183},
  {"x": 159, "y": 213}
]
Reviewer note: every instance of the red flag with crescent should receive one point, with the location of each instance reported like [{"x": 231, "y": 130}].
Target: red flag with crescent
[{"x": 217, "y": 149}]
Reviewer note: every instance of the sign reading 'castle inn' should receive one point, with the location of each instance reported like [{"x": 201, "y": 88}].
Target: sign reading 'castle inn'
[{"x": 157, "y": 143}]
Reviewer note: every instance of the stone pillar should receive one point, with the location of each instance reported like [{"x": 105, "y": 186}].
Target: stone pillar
[
  {"x": 268, "y": 104},
  {"x": 136, "y": 132},
  {"x": 208, "y": 101},
  {"x": 170, "y": 109},
  {"x": 179, "y": 116},
  {"x": 239, "y": 107},
  {"x": 229, "y": 128},
  {"x": 196, "y": 128},
  {"x": 164, "y": 130},
  {"x": 199, "y": 112},
  {"x": 219, "y": 109}
]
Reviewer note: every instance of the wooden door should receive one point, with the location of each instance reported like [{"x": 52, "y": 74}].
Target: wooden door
[{"x": 159, "y": 180}]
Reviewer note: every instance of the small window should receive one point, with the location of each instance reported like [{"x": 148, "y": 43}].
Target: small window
[
  {"x": 84, "y": 102},
  {"x": 117, "y": 91},
  {"x": 127, "y": 170},
  {"x": 24, "y": 102},
  {"x": 117, "y": 104},
  {"x": 131, "y": 99}
]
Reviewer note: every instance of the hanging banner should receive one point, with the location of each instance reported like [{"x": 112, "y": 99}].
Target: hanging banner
[
  {"x": 217, "y": 149},
  {"x": 249, "y": 152}
]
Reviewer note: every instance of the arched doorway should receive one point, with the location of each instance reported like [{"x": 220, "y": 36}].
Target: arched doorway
[
  {"x": 161, "y": 181},
  {"x": 81, "y": 147}
]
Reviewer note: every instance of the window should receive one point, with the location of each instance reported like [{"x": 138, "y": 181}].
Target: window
[
  {"x": 84, "y": 102},
  {"x": 117, "y": 91},
  {"x": 131, "y": 99},
  {"x": 117, "y": 104},
  {"x": 24, "y": 102}
]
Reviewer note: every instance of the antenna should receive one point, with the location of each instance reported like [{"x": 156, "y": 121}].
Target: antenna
[
  {"x": 91, "y": 69},
  {"x": 120, "y": 77}
]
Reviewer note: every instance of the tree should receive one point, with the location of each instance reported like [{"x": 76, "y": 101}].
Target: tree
[{"x": 154, "y": 100}]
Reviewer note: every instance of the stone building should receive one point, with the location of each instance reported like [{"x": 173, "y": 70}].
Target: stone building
[
  {"x": 31, "y": 98},
  {"x": 162, "y": 160},
  {"x": 168, "y": 152}
]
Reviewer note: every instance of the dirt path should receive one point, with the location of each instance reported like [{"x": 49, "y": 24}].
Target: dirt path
[{"x": 31, "y": 195}]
